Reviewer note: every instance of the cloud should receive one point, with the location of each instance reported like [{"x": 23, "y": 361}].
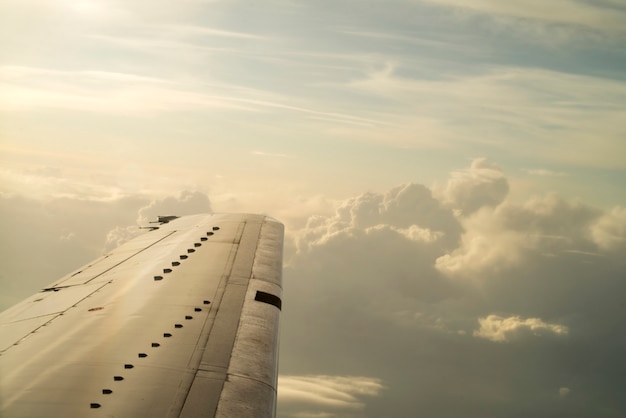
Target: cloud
[
  {"x": 191, "y": 30},
  {"x": 26, "y": 89},
  {"x": 187, "y": 203},
  {"x": 484, "y": 184},
  {"x": 270, "y": 154},
  {"x": 46, "y": 182},
  {"x": 82, "y": 94},
  {"x": 544, "y": 172},
  {"x": 322, "y": 395},
  {"x": 71, "y": 231},
  {"x": 564, "y": 391},
  {"x": 597, "y": 15},
  {"x": 504, "y": 237},
  {"x": 383, "y": 291},
  {"x": 402, "y": 287},
  {"x": 609, "y": 231},
  {"x": 408, "y": 210},
  {"x": 500, "y": 329},
  {"x": 538, "y": 111}
]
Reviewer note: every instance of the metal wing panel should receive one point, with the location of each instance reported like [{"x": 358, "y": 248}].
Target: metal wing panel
[{"x": 136, "y": 341}]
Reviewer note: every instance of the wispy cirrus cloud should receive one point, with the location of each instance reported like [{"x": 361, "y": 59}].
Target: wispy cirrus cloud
[
  {"x": 512, "y": 107},
  {"x": 271, "y": 154},
  {"x": 542, "y": 172},
  {"x": 25, "y": 88},
  {"x": 599, "y": 15}
]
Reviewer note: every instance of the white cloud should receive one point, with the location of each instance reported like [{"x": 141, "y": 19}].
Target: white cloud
[
  {"x": 48, "y": 183},
  {"x": 415, "y": 233},
  {"x": 609, "y": 231},
  {"x": 502, "y": 238},
  {"x": 192, "y": 30},
  {"x": 67, "y": 236},
  {"x": 270, "y": 154},
  {"x": 119, "y": 235},
  {"x": 544, "y": 172},
  {"x": 327, "y": 393},
  {"x": 485, "y": 246},
  {"x": 596, "y": 15},
  {"x": 409, "y": 210},
  {"x": 136, "y": 99},
  {"x": 187, "y": 203},
  {"x": 538, "y": 111},
  {"x": 500, "y": 329},
  {"x": 483, "y": 184}
]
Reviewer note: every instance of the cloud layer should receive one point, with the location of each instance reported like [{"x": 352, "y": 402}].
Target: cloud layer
[
  {"x": 441, "y": 301},
  {"x": 465, "y": 302}
]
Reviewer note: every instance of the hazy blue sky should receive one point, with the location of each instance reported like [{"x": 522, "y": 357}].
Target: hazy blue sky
[{"x": 452, "y": 175}]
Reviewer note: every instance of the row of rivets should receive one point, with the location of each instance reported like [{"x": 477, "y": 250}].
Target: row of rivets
[{"x": 95, "y": 405}]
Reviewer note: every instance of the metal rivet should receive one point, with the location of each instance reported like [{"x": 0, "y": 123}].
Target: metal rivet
[
  {"x": 198, "y": 309},
  {"x": 206, "y": 302},
  {"x": 107, "y": 391},
  {"x": 191, "y": 250},
  {"x": 156, "y": 345},
  {"x": 167, "y": 335},
  {"x": 157, "y": 278},
  {"x": 175, "y": 263},
  {"x": 128, "y": 366},
  {"x": 167, "y": 270},
  {"x": 178, "y": 326},
  {"x": 94, "y": 405},
  {"x": 118, "y": 378},
  {"x": 203, "y": 238},
  {"x": 188, "y": 317},
  {"x": 183, "y": 257},
  {"x": 197, "y": 244},
  {"x": 142, "y": 355}
]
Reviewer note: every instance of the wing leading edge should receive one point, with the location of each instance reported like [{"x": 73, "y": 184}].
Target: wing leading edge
[{"x": 179, "y": 322}]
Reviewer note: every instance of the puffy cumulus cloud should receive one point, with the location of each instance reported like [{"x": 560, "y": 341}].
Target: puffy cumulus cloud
[
  {"x": 338, "y": 392},
  {"x": 485, "y": 246},
  {"x": 483, "y": 184},
  {"x": 409, "y": 210},
  {"x": 119, "y": 235},
  {"x": 500, "y": 329},
  {"x": 503, "y": 237},
  {"x": 393, "y": 285},
  {"x": 188, "y": 203}
]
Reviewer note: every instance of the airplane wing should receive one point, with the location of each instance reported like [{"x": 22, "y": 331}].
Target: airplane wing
[{"x": 181, "y": 321}]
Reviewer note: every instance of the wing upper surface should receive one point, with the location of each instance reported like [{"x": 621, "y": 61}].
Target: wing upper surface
[{"x": 170, "y": 324}]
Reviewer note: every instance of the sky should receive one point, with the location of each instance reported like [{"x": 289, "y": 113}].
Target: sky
[{"x": 451, "y": 176}]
